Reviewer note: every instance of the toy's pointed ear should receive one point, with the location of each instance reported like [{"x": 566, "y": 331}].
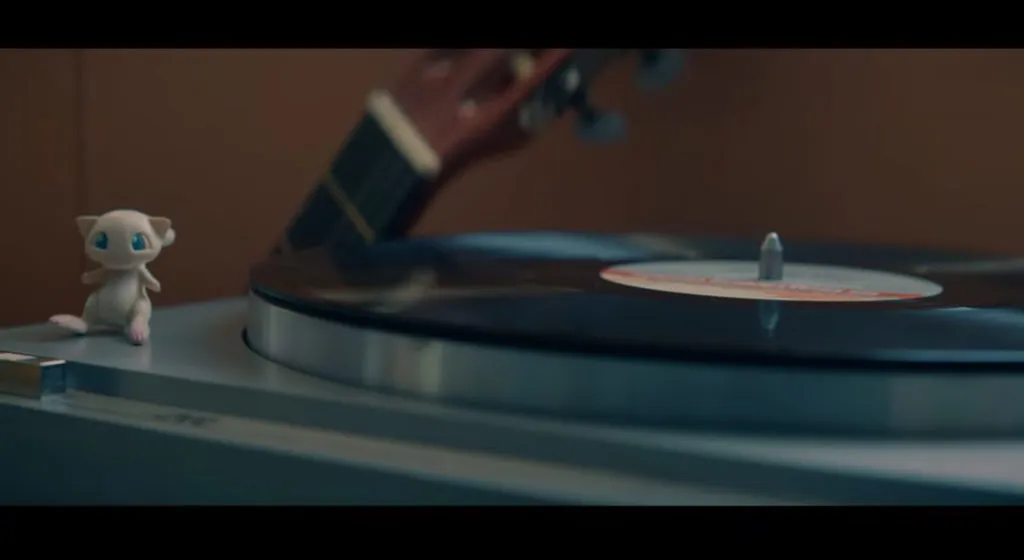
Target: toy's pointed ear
[
  {"x": 162, "y": 226},
  {"x": 85, "y": 224}
]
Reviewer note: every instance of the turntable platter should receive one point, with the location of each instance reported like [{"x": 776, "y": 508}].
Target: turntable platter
[{"x": 653, "y": 328}]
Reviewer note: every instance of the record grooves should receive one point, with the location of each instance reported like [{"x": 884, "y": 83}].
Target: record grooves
[{"x": 549, "y": 295}]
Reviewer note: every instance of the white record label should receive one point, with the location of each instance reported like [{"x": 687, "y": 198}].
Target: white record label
[{"x": 800, "y": 282}]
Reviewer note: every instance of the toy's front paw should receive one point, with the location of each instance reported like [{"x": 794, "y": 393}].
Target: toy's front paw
[
  {"x": 71, "y": 323},
  {"x": 138, "y": 332}
]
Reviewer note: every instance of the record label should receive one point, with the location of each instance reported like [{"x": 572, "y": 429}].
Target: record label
[{"x": 800, "y": 282}]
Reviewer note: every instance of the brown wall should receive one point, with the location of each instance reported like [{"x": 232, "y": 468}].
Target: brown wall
[{"x": 895, "y": 146}]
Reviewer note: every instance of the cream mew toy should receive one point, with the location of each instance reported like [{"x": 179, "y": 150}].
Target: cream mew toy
[{"x": 122, "y": 242}]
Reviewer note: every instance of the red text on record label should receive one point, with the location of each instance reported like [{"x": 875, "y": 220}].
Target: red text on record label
[{"x": 737, "y": 279}]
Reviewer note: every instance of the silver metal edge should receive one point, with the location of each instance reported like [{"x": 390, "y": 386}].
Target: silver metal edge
[
  {"x": 31, "y": 376},
  {"x": 696, "y": 395},
  {"x": 500, "y": 477}
]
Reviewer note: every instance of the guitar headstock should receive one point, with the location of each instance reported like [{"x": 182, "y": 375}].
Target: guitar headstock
[{"x": 462, "y": 105}]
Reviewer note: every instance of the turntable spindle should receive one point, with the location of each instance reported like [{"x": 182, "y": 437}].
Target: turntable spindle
[{"x": 769, "y": 266}]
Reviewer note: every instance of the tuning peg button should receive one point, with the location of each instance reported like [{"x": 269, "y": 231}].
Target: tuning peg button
[
  {"x": 602, "y": 128},
  {"x": 658, "y": 67},
  {"x": 596, "y": 126}
]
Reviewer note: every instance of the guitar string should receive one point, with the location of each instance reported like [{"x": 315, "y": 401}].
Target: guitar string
[
  {"x": 286, "y": 237},
  {"x": 393, "y": 174},
  {"x": 350, "y": 149},
  {"x": 374, "y": 186},
  {"x": 377, "y": 176}
]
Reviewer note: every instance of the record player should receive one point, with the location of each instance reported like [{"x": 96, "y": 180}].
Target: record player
[{"x": 532, "y": 367}]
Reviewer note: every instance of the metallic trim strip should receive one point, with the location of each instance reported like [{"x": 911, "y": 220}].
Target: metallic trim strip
[{"x": 30, "y": 376}]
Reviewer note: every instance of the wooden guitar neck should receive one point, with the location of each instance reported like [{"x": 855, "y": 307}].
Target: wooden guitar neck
[{"x": 453, "y": 108}]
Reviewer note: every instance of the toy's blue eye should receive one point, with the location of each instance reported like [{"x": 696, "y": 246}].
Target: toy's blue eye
[
  {"x": 138, "y": 242},
  {"x": 100, "y": 242}
]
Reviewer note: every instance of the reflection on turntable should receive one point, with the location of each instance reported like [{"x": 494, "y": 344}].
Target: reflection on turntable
[{"x": 650, "y": 329}]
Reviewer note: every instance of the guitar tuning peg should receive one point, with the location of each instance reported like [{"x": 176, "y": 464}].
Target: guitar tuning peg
[
  {"x": 596, "y": 126},
  {"x": 658, "y": 67},
  {"x": 603, "y": 128}
]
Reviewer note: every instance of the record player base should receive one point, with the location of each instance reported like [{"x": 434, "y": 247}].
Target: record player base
[{"x": 196, "y": 417}]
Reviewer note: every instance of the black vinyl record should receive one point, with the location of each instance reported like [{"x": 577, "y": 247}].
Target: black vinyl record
[{"x": 560, "y": 291}]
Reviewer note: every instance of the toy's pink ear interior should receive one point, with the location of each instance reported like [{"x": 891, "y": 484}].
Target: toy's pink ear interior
[
  {"x": 85, "y": 224},
  {"x": 160, "y": 226}
]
